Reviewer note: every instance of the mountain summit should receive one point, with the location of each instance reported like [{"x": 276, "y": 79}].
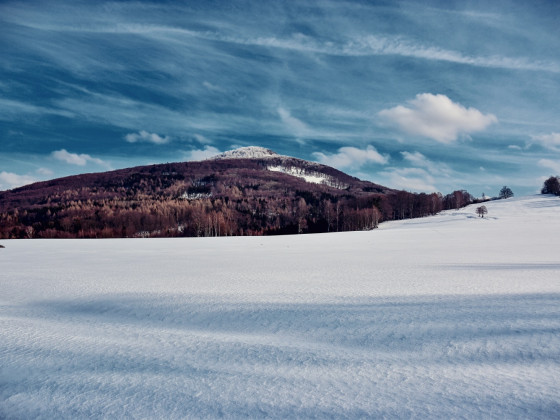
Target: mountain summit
[
  {"x": 311, "y": 172},
  {"x": 250, "y": 152}
]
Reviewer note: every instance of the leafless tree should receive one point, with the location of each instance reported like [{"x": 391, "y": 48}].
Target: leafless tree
[{"x": 481, "y": 211}]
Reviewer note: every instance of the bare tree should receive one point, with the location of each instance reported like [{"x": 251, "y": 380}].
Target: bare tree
[
  {"x": 481, "y": 211},
  {"x": 29, "y": 231}
]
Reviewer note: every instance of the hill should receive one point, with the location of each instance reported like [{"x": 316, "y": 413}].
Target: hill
[{"x": 248, "y": 191}]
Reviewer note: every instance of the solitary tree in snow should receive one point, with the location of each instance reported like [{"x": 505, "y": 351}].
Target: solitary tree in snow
[
  {"x": 506, "y": 192},
  {"x": 481, "y": 211}
]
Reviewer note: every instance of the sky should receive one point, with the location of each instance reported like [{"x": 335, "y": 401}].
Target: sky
[{"x": 422, "y": 96}]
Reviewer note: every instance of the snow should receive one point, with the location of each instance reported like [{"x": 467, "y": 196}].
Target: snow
[
  {"x": 312, "y": 177},
  {"x": 194, "y": 196},
  {"x": 255, "y": 152},
  {"x": 249, "y": 152},
  {"x": 451, "y": 316}
]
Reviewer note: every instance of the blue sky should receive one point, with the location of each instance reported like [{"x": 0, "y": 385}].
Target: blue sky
[{"x": 423, "y": 96}]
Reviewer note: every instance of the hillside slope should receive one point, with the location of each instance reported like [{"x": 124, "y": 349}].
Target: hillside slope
[{"x": 249, "y": 191}]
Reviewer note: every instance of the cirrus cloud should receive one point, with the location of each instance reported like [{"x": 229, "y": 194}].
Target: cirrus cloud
[
  {"x": 45, "y": 171},
  {"x": 146, "y": 137},
  {"x": 351, "y": 157},
  {"x": 550, "y": 164},
  {"x": 436, "y": 117},
  {"x": 420, "y": 161},
  {"x": 549, "y": 141},
  {"x": 410, "y": 179},
  {"x": 295, "y": 126}
]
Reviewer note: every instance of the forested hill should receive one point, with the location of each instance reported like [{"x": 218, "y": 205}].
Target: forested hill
[{"x": 249, "y": 191}]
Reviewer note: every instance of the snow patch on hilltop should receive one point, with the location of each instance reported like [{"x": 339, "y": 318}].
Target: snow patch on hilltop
[
  {"x": 255, "y": 152},
  {"x": 250, "y": 152}
]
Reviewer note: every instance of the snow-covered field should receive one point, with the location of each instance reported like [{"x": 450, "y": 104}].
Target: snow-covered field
[{"x": 450, "y": 316}]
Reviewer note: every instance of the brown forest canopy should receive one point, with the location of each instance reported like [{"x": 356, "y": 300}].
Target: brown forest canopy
[{"x": 209, "y": 198}]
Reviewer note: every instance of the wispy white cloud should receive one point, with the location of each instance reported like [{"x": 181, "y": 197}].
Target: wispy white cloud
[
  {"x": 124, "y": 19},
  {"x": 10, "y": 180},
  {"x": 409, "y": 179},
  {"x": 422, "y": 176},
  {"x": 374, "y": 45},
  {"x": 202, "y": 139},
  {"x": 45, "y": 171},
  {"x": 120, "y": 111},
  {"x": 212, "y": 87},
  {"x": 15, "y": 110},
  {"x": 201, "y": 154},
  {"x": 436, "y": 117},
  {"x": 351, "y": 157},
  {"x": 549, "y": 141},
  {"x": 417, "y": 159},
  {"x": 550, "y": 164},
  {"x": 293, "y": 125},
  {"x": 145, "y": 137},
  {"x": 381, "y": 45},
  {"x": 77, "y": 159}
]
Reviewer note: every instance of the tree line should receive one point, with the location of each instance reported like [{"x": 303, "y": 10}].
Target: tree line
[{"x": 225, "y": 211}]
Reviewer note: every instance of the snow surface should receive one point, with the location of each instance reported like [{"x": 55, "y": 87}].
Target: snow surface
[
  {"x": 255, "y": 152},
  {"x": 312, "y": 177},
  {"x": 451, "y": 316},
  {"x": 249, "y": 152}
]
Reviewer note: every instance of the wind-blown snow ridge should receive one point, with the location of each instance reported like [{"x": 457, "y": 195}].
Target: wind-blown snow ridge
[{"x": 250, "y": 152}]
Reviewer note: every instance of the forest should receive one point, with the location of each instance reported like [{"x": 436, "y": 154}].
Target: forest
[{"x": 220, "y": 198}]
